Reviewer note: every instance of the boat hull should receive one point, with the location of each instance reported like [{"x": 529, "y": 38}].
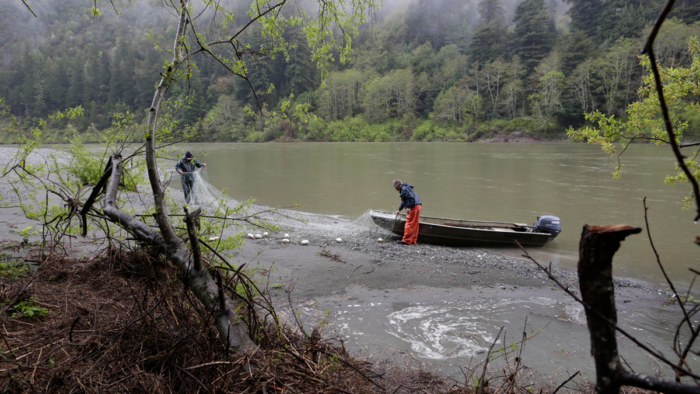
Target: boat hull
[{"x": 435, "y": 231}]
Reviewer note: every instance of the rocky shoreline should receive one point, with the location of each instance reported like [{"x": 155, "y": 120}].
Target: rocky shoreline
[
  {"x": 437, "y": 304},
  {"x": 480, "y": 267}
]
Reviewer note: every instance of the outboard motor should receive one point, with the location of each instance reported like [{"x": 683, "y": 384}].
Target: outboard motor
[{"x": 548, "y": 224}]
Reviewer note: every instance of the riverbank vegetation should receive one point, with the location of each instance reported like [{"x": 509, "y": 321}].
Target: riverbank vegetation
[
  {"x": 88, "y": 334},
  {"x": 420, "y": 71}
]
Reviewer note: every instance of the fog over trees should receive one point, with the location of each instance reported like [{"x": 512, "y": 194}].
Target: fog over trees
[{"x": 422, "y": 70}]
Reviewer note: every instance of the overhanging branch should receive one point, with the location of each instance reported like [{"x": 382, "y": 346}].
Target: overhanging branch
[{"x": 649, "y": 50}]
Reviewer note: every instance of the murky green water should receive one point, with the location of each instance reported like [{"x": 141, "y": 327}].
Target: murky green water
[{"x": 503, "y": 182}]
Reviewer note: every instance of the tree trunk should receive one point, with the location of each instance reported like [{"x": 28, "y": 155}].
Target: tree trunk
[
  {"x": 232, "y": 331},
  {"x": 596, "y": 250},
  {"x": 200, "y": 282}
]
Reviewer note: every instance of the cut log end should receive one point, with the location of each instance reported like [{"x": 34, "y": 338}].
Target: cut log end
[{"x": 622, "y": 229}]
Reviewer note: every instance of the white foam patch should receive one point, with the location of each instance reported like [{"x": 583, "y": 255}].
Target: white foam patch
[
  {"x": 463, "y": 329},
  {"x": 440, "y": 333}
]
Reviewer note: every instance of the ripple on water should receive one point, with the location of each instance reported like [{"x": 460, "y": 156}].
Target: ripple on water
[{"x": 463, "y": 329}]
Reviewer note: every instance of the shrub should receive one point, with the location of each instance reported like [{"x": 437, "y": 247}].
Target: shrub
[
  {"x": 254, "y": 136},
  {"x": 84, "y": 165},
  {"x": 272, "y": 131},
  {"x": 316, "y": 130},
  {"x": 350, "y": 129},
  {"x": 383, "y": 137},
  {"x": 424, "y": 132}
]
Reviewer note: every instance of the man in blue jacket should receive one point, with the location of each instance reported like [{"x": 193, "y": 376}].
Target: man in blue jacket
[
  {"x": 413, "y": 205},
  {"x": 186, "y": 167}
]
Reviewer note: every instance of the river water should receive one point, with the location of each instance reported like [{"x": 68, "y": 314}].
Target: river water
[{"x": 498, "y": 182}]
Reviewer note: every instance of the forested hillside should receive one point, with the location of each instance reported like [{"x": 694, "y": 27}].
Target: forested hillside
[{"x": 424, "y": 70}]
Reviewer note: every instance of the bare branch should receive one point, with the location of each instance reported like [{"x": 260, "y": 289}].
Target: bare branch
[
  {"x": 242, "y": 29},
  {"x": 663, "y": 271},
  {"x": 99, "y": 188},
  {"x": 28, "y": 7},
  {"x": 486, "y": 362},
  {"x": 694, "y": 331},
  {"x": 648, "y": 49},
  {"x": 662, "y": 386},
  {"x": 565, "y": 382}
]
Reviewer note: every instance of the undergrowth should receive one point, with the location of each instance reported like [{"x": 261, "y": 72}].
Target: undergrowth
[{"x": 123, "y": 323}]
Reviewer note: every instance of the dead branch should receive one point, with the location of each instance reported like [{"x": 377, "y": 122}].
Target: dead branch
[
  {"x": 353, "y": 271},
  {"x": 694, "y": 331},
  {"x": 190, "y": 219},
  {"x": 482, "y": 384},
  {"x": 651, "y": 383},
  {"x": 565, "y": 382},
  {"x": 332, "y": 256},
  {"x": 587, "y": 307},
  {"x": 99, "y": 188},
  {"x": 596, "y": 250}
]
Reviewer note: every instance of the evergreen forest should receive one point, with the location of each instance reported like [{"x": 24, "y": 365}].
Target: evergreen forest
[{"x": 421, "y": 70}]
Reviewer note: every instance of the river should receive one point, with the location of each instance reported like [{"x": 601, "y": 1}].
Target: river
[{"x": 499, "y": 182}]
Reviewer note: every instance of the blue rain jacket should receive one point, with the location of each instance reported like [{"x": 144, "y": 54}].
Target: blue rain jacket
[{"x": 409, "y": 198}]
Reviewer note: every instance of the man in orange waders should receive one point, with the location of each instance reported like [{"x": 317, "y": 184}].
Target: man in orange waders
[{"x": 413, "y": 205}]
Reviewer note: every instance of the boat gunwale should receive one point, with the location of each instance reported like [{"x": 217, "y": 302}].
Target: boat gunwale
[{"x": 470, "y": 221}]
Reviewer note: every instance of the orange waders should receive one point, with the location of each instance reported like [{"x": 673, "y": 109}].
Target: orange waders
[{"x": 410, "y": 232}]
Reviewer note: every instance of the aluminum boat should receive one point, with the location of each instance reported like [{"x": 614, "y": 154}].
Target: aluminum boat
[{"x": 460, "y": 232}]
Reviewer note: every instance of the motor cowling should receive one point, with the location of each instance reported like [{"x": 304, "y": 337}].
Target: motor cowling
[{"x": 548, "y": 224}]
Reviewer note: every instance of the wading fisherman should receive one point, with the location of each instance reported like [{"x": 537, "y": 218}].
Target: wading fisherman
[
  {"x": 413, "y": 205},
  {"x": 186, "y": 166}
]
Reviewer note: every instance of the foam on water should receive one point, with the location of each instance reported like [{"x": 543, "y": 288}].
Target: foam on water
[
  {"x": 435, "y": 333},
  {"x": 466, "y": 328}
]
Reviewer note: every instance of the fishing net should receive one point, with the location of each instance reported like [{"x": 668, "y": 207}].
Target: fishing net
[
  {"x": 206, "y": 196},
  {"x": 365, "y": 222},
  {"x": 211, "y": 199}
]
